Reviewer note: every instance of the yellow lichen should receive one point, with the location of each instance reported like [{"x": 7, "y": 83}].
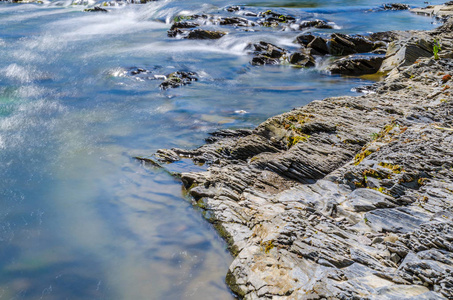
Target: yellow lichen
[
  {"x": 397, "y": 169},
  {"x": 361, "y": 156},
  {"x": 267, "y": 246},
  {"x": 293, "y": 140}
]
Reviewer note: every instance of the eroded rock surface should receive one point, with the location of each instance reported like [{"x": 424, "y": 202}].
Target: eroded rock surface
[{"x": 344, "y": 198}]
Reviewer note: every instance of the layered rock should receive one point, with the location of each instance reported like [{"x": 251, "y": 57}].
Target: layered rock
[{"x": 344, "y": 198}]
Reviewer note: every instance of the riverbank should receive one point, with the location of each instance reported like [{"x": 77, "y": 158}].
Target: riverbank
[{"x": 343, "y": 198}]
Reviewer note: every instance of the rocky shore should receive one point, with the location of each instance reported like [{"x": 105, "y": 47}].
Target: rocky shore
[{"x": 344, "y": 198}]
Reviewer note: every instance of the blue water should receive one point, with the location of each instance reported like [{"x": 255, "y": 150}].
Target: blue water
[{"x": 80, "y": 219}]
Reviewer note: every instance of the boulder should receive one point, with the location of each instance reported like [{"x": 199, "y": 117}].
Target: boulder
[
  {"x": 175, "y": 29},
  {"x": 267, "y": 54},
  {"x": 315, "y": 24},
  {"x": 304, "y": 39},
  {"x": 342, "y": 44},
  {"x": 201, "y": 34},
  {"x": 356, "y": 66},
  {"x": 395, "y": 6},
  {"x": 404, "y": 53},
  {"x": 319, "y": 45},
  {"x": 236, "y": 21},
  {"x": 303, "y": 59},
  {"x": 96, "y": 9}
]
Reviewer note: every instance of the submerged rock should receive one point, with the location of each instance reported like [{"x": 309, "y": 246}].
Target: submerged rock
[{"x": 178, "y": 79}]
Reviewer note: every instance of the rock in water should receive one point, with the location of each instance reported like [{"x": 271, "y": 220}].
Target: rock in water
[
  {"x": 303, "y": 59},
  {"x": 201, "y": 34},
  {"x": 96, "y": 9},
  {"x": 395, "y": 6},
  {"x": 315, "y": 24},
  {"x": 356, "y": 66},
  {"x": 178, "y": 79}
]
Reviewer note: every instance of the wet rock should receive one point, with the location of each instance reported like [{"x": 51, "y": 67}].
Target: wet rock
[
  {"x": 201, "y": 34},
  {"x": 395, "y": 6},
  {"x": 178, "y": 79},
  {"x": 236, "y": 21},
  {"x": 96, "y": 9},
  {"x": 355, "y": 66},
  {"x": 267, "y": 53},
  {"x": 177, "y": 26},
  {"x": 305, "y": 39},
  {"x": 315, "y": 24},
  {"x": 272, "y": 19},
  {"x": 184, "y": 24},
  {"x": 233, "y": 8},
  {"x": 303, "y": 59},
  {"x": 319, "y": 45},
  {"x": 342, "y": 44}
]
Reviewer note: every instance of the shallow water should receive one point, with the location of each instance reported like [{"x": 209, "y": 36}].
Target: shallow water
[{"x": 80, "y": 219}]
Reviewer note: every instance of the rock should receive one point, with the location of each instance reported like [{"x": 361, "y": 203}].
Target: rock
[
  {"x": 267, "y": 53},
  {"x": 356, "y": 66},
  {"x": 315, "y": 24},
  {"x": 319, "y": 45},
  {"x": 236, "y": 21},
  {"x": 183, "y": 24},
  {"x": 439, "y": 11},
  {"x": 344, "y": 198},
  {"x": 395, "y": 6},
  {"x": 305, "y": 39},
  {"x": 302, "y": 59},
  {"x": 404, "y": 53},
  {"x": 233, "y": 8},
  {"x": 342, "y": 44},
  {"x": 273, "y": 19},
  {"x": 96, "y": 9},
  {"x": 177, "y": 26},
  {"x": 385, "y": 36},
  {"x": 367, "y": 199},
  {"x": 178, "y": 79},
  {"x": 201, "y": 34}
]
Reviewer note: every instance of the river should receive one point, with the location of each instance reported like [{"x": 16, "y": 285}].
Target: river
[{"x": 81, "y": 219}]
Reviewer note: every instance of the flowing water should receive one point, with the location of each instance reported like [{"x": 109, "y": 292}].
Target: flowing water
[{"x": 80, "y": 219}]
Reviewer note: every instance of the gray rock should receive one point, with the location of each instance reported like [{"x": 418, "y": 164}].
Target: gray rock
[
  {"x": 355, "y": 66},
  {"x": 344, "y": 198}
]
